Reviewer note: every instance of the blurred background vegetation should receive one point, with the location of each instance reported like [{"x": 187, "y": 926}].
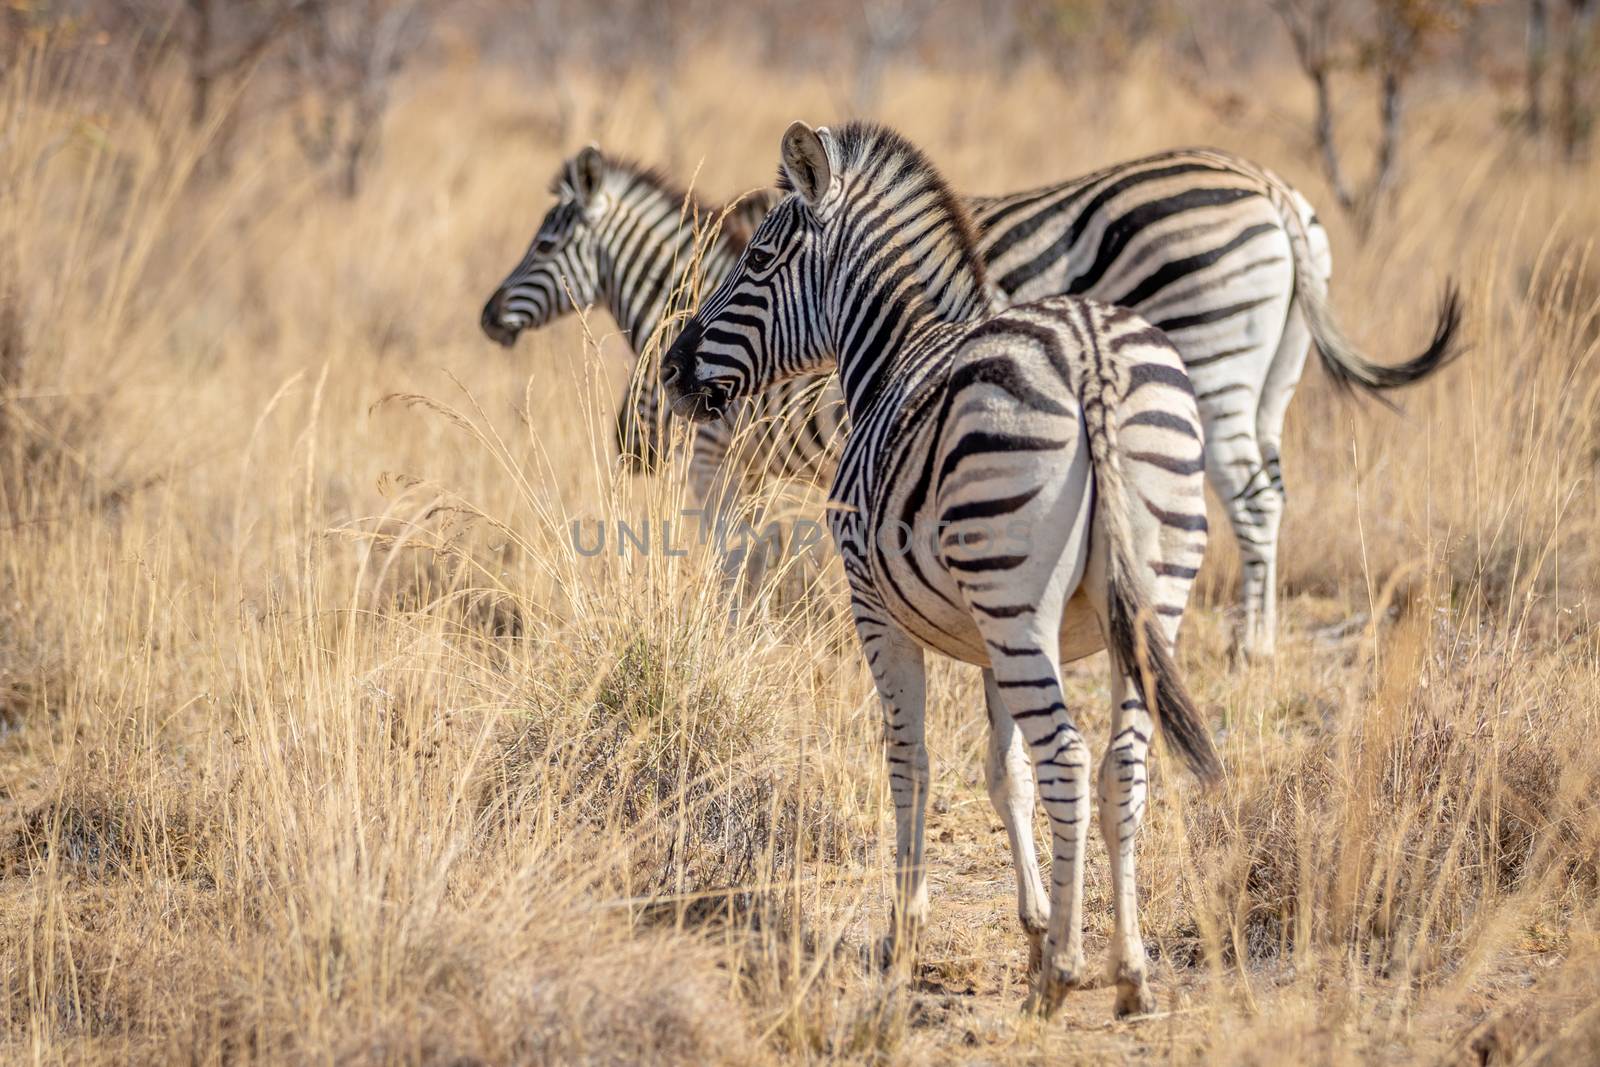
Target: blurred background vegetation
[{"x": 332, "y": 66}]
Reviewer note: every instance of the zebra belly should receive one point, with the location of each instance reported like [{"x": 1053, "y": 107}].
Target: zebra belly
[
  {"x": 1080, "y": 628},
  {"x": 950, "y": 629}
]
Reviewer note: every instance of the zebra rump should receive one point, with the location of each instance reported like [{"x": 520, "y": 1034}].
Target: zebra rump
[{"x": 1134, "y": 636}]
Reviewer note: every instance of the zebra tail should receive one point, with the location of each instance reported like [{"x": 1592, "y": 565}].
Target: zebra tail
[
  {"x": 1346, "y": 364},
  {"x": 1136, "y": 638}
]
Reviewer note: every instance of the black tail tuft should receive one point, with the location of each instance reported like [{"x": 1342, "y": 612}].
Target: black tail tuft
[
  {"x": 1350, "y": 370},
  {"x": 1138, "y": 641}
]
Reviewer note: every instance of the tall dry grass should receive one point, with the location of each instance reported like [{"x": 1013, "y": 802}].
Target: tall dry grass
[{"x": 319, "y": 741}]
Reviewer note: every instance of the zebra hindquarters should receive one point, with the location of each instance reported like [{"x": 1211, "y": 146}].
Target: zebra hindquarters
[
  {"x": 1227, "y": 319},
  {"x": 1083, "y": 411},
  {"x": 1162, "y": 451}
]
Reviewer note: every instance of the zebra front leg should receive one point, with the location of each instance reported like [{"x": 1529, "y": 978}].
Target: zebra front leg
[
  {"x": 1009, "y": 776},
  {"x": 716, "y": 488},
  {"x": 899, "y": 673},
  {"x": 744, "y": 545},
  {"x": 1124, "y": 784}
]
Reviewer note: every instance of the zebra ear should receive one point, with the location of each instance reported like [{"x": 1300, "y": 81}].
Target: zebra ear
[
  {"x": 805, "y": 161},
  {"x": 588, "y": 168}
]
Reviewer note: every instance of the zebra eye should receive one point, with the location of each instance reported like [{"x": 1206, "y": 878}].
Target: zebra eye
[
  {"x": 544, "y": 245},
  {"x": 758, "y": 259}
]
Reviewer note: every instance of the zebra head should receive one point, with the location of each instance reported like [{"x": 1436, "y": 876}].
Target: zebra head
[
  {"x": 763, "y": 323},
  {"x": 561, "y": 269}
]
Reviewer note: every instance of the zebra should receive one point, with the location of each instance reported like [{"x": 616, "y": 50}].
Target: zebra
[
  {"x": 1223, "y": 255},
  {"x": 624, "y": 235},
  {"x": 1020, "y": 487}
]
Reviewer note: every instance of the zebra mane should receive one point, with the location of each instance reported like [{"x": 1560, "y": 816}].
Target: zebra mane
[
  {"x": 888, "y": 156},
  {"x": 742, "y": 216},
  {"x": 639, "y": 173}
]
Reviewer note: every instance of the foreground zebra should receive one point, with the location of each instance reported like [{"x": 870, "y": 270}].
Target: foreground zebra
[
  {"x": 1219, "y": 253},
  {"x": 1019, "y": 488}
]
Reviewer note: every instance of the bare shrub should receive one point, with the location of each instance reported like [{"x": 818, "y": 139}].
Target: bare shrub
[
  {"x": 342, "y": 63},
  {"x": 1402, "y": 33}
]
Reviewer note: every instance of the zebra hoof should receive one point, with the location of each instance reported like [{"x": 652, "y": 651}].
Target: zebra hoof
[
  {"x": 1133, "y": 1000},
  {"x": 1244, "y": 655},
  {"x": 892, "y": 951},
  {"x": 1045, "y": 1000},
  {"x": 1133, "y": 994},
  {"x": 1256, "y": 646},
  {"x": 1055, "y": 981}
]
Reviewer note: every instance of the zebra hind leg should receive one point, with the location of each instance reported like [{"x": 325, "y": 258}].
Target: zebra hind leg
[
  {"x": 1027, "y": 675},
  {"x": 1009, "y": 776},
  {"x": 1123, "y": 787},
  {"x": 1254, "y": 502},
  {"x": 1293, "y": 347}
]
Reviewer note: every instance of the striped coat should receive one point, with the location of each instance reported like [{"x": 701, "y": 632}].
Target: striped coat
[{"x": 1222, "y": 255}]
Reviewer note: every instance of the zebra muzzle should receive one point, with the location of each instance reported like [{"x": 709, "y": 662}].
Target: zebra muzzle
[
  {"x": 690, "y": 399},
  {"x": 494, "y": 324},
  {"x": 700, "y": 405}
]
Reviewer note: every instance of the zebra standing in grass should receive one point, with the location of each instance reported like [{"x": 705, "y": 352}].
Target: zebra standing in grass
[
  {"x": 1222, "y": 255},
  {"x": 624, "y": 236},
  {"x": 1019, "y": 488}
]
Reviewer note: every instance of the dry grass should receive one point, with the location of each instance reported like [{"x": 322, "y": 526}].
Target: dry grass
[{"x": 318, "y": 742}]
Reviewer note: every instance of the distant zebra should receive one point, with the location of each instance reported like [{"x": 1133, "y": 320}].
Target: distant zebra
[
  {"x": 624, "y": 236},
  {"x": 1222, "y": 255},
  {"x": 1019, "y": 488}
]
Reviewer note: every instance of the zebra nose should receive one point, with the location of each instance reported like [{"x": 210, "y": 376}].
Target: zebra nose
[
  {"x": 490, "y": 323},
  {"x": 491, "y": 310},
  {"x": 681, "y": 355}
]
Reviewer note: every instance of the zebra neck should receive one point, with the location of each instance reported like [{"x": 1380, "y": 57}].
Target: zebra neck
[
  {"x": 879, "y": 356},
  {"x": 648, "y": 255},
  {"x": 895, "y": 296},
  {"x": 886, "y": 325}
]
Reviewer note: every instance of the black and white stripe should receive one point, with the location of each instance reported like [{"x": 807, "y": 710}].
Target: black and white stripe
[
  {"x": 1019, "y": 488},
  {"x": 1222, "y": 255},
  {"x": 1231, "y": 263}
]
